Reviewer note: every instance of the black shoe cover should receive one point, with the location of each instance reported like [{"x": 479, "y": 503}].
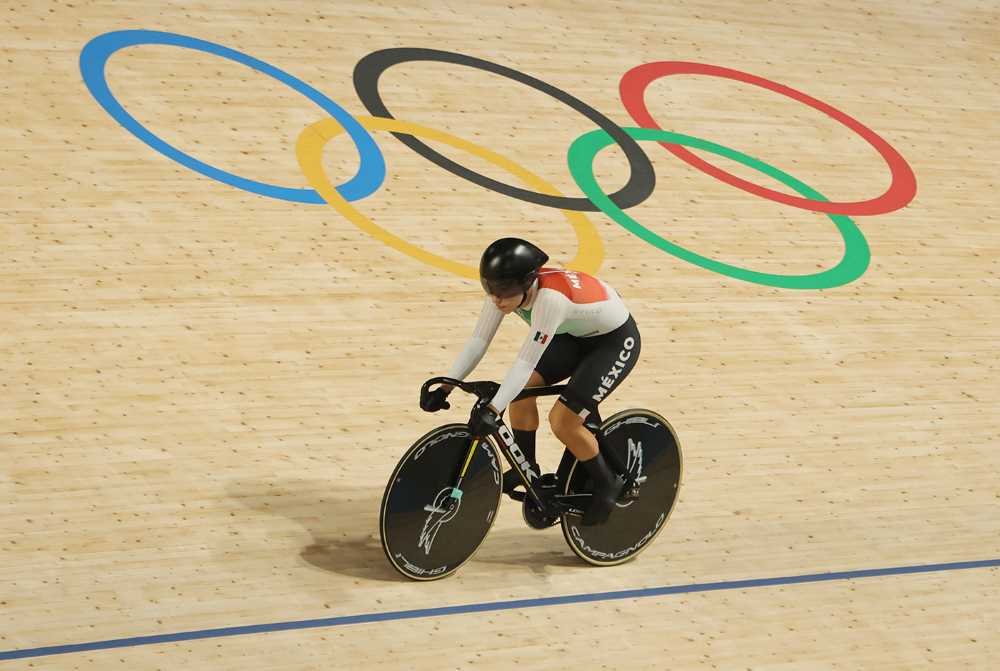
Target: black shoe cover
[
  {"x": 513, "y": 479},
  {"x": 602, "y": 502}
]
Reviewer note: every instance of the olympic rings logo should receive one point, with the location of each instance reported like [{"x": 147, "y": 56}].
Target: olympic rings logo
[{"x": 582, "y": 152}]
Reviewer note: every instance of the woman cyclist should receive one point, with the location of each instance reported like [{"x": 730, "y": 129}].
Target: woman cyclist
[{"x": 579, "y": 329}]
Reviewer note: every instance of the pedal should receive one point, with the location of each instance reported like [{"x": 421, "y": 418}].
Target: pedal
[
  {"x": 512, "y": 480},
  {"x": 546, "y": 486}
]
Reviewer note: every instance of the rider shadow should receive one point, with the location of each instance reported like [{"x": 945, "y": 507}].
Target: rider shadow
[{"x": 343, "y": 524}]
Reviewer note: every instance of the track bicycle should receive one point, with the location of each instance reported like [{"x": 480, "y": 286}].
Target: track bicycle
[{"x": 444, "y": 493}]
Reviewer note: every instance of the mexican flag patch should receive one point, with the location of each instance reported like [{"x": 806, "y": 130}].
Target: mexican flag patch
[{"x": 541, "y": 337}]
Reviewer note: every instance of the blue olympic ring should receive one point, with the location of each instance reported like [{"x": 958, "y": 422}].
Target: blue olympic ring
[{"x": 93, "y": 58}]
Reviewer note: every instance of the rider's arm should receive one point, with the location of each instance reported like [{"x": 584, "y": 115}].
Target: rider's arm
[
  {"x": 482, "y": 336},
  {"x": 547, "y": 314}
]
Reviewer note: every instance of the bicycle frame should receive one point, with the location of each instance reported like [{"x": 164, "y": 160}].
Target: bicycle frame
[{"x": 484, "y": 391}]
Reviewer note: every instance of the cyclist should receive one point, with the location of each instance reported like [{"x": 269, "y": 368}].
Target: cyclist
[{"x": 579, "y": 329}]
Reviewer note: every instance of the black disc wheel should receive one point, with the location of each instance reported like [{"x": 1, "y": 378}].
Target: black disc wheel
[
  {"x": 644, "y": 444},
  {"x": 429, "y": 529}
]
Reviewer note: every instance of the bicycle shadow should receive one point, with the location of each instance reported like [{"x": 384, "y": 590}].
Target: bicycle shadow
[
  {"x": 343, "y": 524},
  {"x": 342, "y": 521}
]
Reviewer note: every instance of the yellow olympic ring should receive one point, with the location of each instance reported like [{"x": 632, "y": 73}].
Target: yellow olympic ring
[{"x": 309, "y": 151}]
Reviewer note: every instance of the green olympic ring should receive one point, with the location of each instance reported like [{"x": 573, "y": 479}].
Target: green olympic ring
[{"x": 856, "y": 252}]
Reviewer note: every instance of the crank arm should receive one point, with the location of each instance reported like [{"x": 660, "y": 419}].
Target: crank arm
[{"x": 571, "y": 503}]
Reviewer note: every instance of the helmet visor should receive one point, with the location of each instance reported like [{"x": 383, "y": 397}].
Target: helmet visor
[{"x": 504, "y": 288}]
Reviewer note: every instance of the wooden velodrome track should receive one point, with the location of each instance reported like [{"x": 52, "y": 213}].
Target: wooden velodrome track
[{"x": 204, "y": 389}]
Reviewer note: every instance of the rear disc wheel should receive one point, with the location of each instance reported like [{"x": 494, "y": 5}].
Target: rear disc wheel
[{"x": 642, "y": 443}]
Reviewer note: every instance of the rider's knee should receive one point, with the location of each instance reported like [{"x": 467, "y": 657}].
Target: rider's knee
[
  {"x": 564, "y": 422},
  {"x": 523, "y": 414}
]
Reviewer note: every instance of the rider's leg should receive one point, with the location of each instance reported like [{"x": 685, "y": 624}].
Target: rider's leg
[
  {"x": 568, "y": 427},
  {"x": 523, "y": 416},
  {"x": 608, "y": 360},
  {"x": 558, "y": 362}
]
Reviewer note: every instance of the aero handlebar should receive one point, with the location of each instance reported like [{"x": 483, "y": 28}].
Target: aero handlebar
[{"x": 486, "y": 389}]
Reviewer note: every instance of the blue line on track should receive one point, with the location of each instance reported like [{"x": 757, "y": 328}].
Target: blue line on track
[{"x": 484, "y": 607}]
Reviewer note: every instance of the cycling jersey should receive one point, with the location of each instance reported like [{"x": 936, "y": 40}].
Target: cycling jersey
[{"x": 567, "y": 302}]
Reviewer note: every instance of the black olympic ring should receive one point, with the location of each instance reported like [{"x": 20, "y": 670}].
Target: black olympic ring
[{"x": 640, "y": 184}]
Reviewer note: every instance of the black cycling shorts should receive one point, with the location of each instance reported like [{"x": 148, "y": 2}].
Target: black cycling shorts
[{"x": 595, "y": 366}]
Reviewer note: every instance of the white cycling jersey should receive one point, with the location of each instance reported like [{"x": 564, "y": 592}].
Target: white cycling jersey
[{"x": 567, "y": 301}]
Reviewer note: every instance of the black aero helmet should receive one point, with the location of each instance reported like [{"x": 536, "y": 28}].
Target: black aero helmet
[{"x": 509, "y": 266}]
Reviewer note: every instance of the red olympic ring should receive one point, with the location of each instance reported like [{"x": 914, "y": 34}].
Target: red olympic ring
[{"x": 904, "y": 184}]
